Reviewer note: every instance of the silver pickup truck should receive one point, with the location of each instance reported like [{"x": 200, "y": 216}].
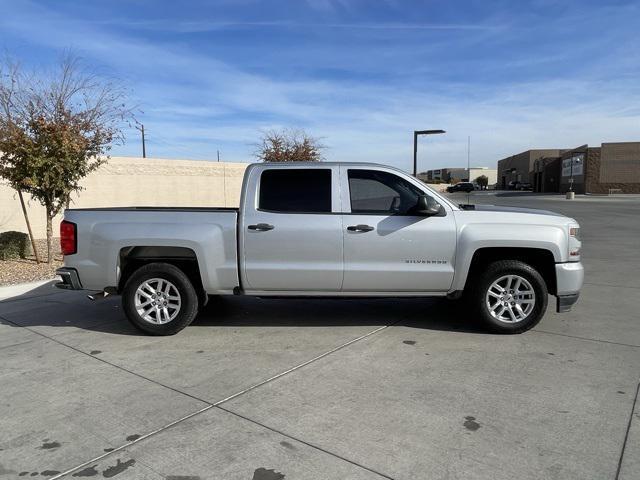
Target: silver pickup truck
[{"x": 325, "y": 229}]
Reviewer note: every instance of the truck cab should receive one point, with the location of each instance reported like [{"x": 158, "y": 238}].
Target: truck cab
[{"x": 343, "y": 228}]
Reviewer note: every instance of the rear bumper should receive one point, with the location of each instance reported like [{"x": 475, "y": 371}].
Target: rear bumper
[
  {"x": 70, "y": 279},
  {"x": 569, "y": 279}
]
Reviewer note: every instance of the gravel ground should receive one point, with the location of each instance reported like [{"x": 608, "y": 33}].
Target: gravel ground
[{"x": 27, "y": 270}]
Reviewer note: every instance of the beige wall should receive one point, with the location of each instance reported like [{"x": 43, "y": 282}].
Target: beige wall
[
  {"x": 125, "y": 181},
  {"x": 490, "y": 173}
]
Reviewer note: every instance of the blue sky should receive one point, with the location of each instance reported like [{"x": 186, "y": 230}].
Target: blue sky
[{"x": 361, "y": 74}]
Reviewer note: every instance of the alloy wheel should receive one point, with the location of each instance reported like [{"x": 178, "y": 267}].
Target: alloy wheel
[
  {"x": 510, "y": 299},
  {"x": 157, "y": 301}
]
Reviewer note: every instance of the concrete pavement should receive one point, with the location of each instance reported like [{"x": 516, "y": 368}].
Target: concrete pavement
[{"x": 328, "y": 389}]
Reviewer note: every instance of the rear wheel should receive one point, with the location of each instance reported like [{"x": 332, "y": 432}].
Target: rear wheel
[
  {"x": 159, "y": 299},
  {"x": 510, "y": 296}
]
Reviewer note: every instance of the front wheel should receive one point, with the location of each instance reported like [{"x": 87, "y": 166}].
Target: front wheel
[
  {"x": 159, "y": 299},
  {"x": 510, "y": 296}
]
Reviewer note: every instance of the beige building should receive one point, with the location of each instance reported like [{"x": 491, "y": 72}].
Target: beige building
[
  {"x": 126, "y": 181},
  {"x": 490, "y": 173},
  {"x": 450, "y": 174}
]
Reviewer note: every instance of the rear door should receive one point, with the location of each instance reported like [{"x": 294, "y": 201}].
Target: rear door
[
  {"x": 291, "y": 229},
  {"x": 387, "y": 248}
]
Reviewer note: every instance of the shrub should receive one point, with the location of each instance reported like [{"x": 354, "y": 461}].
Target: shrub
[
  {"x": 483, "y": 181},
  {"x": 14, "y": 245}
]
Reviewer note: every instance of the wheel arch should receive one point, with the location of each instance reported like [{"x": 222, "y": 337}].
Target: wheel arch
[
  {"x": 132, "y": 258},
  {"x": 539, "y": 258}
]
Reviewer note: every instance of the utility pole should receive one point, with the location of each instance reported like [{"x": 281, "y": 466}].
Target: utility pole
[{"x": 144, "y": 150}]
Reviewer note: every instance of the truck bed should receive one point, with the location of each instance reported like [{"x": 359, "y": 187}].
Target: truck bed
[
  {"x": 104, "y": 235},
  {"x": 155, "y": 209}
]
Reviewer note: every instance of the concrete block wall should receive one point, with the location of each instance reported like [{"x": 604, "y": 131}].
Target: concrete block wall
[
  {"x": 613, "y": 166},
  {"x": 129, "y": 181}
]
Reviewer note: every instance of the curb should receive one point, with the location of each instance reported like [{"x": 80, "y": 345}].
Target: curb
[{"x": 28, "y": 290}]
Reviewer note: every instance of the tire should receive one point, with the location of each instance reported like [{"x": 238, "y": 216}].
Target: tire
[
  {"x": 523, "y": 311},
  {"x": 176, "y": 299}
]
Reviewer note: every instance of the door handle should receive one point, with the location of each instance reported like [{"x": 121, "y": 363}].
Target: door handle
[
  {"x": 360, "y": 228},
  {"x": 262, "y": 227}
]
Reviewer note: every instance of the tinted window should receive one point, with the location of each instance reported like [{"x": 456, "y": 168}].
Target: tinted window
[
  {"x": 296, "y": 190},
  {"x": 373, "y": 191}
]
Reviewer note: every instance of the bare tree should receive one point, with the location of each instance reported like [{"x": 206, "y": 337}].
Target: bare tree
[
  {"x": 288, "y": 146},
  {"x": 9, "y": 72},
  {"x": 55, "y": 129}
]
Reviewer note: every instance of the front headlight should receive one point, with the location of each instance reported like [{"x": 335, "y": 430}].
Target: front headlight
[{"x": 575, "y": 244}]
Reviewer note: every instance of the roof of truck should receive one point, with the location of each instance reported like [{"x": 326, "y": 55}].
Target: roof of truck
[
  {"x": 354, "y": 164},
  {"x": 372, "y": 164},
  {"x": 325, "y": 164}
]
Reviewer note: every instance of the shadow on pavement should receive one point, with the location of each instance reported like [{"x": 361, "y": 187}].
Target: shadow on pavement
[
  {"x": 424, "y": 313},
  {"x": 47, "y": 307}
]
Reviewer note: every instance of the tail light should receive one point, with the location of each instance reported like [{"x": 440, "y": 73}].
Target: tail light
[{"x": 68, "y": 239}]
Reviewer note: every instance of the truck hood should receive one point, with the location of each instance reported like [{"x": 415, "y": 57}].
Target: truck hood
[
  {"x": 499, "y": 208},
  {"x": 499, "y": 215}
]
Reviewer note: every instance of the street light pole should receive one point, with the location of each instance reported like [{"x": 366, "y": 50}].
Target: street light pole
[
  {"x": 415, "y": 146},
  {"x": 571, "y": 179}
]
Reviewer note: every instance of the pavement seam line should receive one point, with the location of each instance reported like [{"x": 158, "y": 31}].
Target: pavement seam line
[
  {"x": 18, "y": 344},
  {"x": 586, "y": 338},
  {"x": 297, "y": 367},
  {"x": 202, "y": 410},
  {"x": 242, "y": 392},
  {"x": 311, "y": 445},
  {"x": 53, "y": 339},
  {"x": 126, "y": 445},
  {"x": 626, "y": 435}
]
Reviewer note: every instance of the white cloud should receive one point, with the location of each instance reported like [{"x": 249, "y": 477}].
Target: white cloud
[{"x": 196, "y": 104}]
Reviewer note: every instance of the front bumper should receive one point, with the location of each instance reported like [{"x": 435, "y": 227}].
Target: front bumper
[
  {"x": 569, "y": 280},
  {"x": 565, "y": 302},
  {"x": 70, "y": 279}
]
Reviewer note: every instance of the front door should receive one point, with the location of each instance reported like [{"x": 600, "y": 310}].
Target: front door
[
  {"x": 387, "y": 248},
  {"x": 292, "y": 237}
]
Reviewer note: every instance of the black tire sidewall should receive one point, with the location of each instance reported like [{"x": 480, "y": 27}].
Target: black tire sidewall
[
  {"x": 510, "y": 267},
  {"x": 188, "y": 298}
]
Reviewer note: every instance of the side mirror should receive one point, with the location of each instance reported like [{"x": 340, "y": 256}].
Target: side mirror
[{"x": 427, "y": 206}]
